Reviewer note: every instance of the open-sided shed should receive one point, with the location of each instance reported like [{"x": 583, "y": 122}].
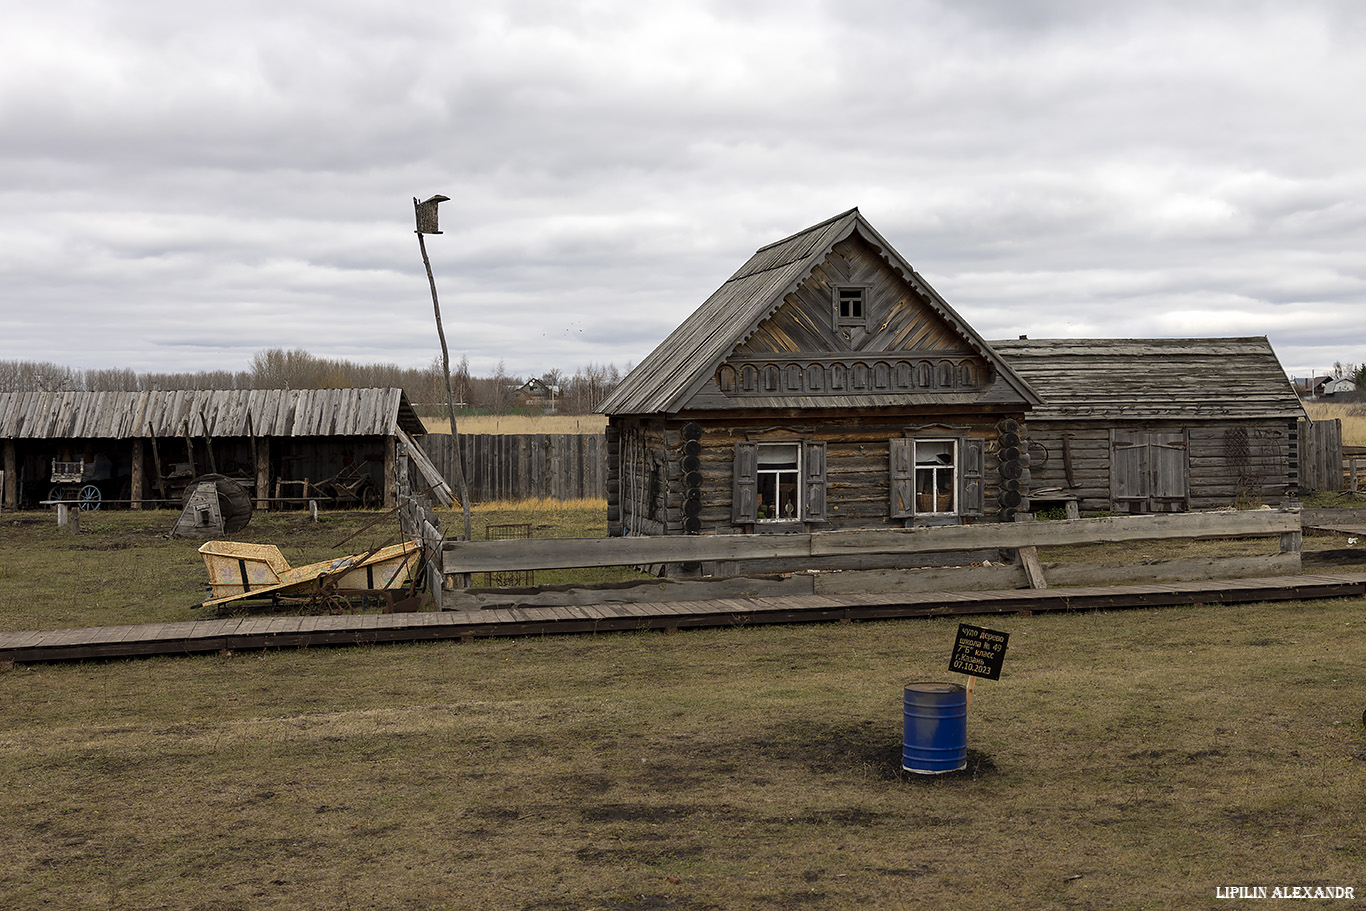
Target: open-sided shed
[{"x": 141, "y": 447}]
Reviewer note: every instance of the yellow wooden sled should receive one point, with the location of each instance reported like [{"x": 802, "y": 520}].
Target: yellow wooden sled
[{"x": 238, "y": 572}]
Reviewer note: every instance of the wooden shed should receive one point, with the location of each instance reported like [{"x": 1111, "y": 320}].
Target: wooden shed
[
  {"x": 824, "y": 385},
  {"x": 143, "y": 447},
  {"x": 1158, "y": 425}
]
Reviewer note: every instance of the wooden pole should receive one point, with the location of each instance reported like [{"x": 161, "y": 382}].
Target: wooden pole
[
  {"x": 446, "y": 374},
  {"x": 972, "y": 684}
]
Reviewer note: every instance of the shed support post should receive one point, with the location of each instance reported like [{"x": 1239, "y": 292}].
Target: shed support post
[
  {"x": 262, "y": 447},
  {"x": 10, "y": 494},
  {"x": 390, "y": 473},
  {"x": 135, "y": 486}
]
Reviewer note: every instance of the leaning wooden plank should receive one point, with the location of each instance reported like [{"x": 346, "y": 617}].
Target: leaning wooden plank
[{"x": 440, "y": 489}]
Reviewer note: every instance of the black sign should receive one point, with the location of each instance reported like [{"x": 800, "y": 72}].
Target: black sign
[{"x": 979, "y": 652}]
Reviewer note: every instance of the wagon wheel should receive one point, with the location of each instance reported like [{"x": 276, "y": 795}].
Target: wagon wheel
[
  {"x": 369, "y": 499},
  {"x": 234, "y": 503},
  {"x": 88, "y": 497},
  {"x": 57, "y": 493}
]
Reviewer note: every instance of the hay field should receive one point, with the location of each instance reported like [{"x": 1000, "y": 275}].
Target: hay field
[
  {"x": 509, "y": 424},
  {"x": 1353, "y": 417}
]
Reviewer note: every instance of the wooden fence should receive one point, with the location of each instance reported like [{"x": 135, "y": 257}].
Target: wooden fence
[
  {"x": 524, "y": 466},
  {"x": 1320, "y": 455},
  {"x": 880, "y": 558}
]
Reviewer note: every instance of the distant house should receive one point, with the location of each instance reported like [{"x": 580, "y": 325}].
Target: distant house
[
  {"x": 536, "y": 394},
  {"x": 1341, "y": 386},
  {"x": 827, "y": 385}
]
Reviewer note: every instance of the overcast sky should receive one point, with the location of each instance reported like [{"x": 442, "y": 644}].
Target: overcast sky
[{"x": 185, "y": 185}]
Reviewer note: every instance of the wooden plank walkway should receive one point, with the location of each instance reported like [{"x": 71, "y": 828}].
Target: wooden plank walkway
[{"x": 200, "y": 636}]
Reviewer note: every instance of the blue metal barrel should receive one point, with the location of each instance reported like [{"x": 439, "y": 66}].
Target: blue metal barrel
[{"x": 936, "y": 728}]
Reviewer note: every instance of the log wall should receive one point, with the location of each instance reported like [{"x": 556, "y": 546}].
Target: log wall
[{"x": 858, "y": 469}]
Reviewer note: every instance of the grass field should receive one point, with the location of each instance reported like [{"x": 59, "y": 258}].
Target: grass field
[{"x": 1125, "y": 760}]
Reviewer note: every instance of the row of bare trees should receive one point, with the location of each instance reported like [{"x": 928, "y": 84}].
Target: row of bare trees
[{"x": 276, "y": 368}]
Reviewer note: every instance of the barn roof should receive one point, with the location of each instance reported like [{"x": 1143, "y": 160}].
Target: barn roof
[
  {"x": 214, "y": 413},
  {"x": 673, "y": 373},
  {"x": 1146, "y": 379}
]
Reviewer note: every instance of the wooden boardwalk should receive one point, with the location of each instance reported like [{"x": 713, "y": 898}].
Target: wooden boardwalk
[{"x": 200, "y": 636}]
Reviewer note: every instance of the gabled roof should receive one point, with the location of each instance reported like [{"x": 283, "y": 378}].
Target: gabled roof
[
  {"x": 1148, "y": 379},
  {"x": 199, "y": 413},
  {"x": 671, "y": 374}
]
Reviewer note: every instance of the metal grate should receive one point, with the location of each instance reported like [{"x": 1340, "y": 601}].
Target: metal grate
[{"x": 514, "y": 578}]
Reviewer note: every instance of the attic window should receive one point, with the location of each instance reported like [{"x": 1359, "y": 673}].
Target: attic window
[{"x": 851, "y": 306}]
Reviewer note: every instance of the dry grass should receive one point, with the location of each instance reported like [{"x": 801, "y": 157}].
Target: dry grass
[
  {"x": 518, "y": 424},
  {"x": 1353, "y": 419},
  {"x": 123, "y": 569},
  {"x": 1125, "y": 760}
]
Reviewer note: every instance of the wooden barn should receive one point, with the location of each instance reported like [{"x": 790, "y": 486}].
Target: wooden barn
[
  {"x": 142, "y": 448},
  {"x": 1158, "y": 425},
  {"x": 826, "y": 385}
]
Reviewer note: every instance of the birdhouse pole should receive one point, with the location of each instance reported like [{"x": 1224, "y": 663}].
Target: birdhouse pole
[{"x": 425, "y": 213}]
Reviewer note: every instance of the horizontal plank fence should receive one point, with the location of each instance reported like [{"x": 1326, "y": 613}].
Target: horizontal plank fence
[
  {"x": 885, "y": 555},
  {"x": 529, "y": 466}
]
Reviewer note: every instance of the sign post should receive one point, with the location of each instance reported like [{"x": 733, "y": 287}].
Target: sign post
[{"x": 978, "y": 652}]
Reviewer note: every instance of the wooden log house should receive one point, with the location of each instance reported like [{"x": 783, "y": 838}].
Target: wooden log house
[
  {"x": 827, "y": 385},
  {"x": 147, "y": 445}
]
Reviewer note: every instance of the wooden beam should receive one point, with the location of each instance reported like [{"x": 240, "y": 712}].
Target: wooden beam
[
  {"x": 563, "y": 553},
  {"x": 10, "y": 493}
]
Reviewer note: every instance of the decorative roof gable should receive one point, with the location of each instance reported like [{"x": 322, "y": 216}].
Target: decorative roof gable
[{"x": 829, "y": 317}]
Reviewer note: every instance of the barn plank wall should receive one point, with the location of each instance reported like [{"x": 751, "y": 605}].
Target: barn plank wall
[
  {"x": 524, "y": 466},
  {"x": 1229, "y": 462}
]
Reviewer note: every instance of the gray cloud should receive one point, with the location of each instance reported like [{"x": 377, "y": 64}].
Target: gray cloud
[{"x": 187, "y": 186}]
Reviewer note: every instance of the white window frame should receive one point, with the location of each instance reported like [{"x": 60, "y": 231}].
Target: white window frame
[
  {"x": 770, "y": 482},
  {"x": 927, "y": 464}
]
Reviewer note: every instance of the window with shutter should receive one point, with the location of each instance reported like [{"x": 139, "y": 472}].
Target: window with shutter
[
  {"x": 936, "y": 477},
  {"x": 778, "y": 483}
]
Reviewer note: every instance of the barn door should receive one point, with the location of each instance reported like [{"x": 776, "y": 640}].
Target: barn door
[
  {"x": 1171, "y": 480},
  {"x": 1149, "y": 470},
  {"x": 1129, "y": 467}
]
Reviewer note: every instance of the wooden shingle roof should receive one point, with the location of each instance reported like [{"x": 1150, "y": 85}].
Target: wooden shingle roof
[
  {"x": 1151, "y": 379},
  {"x": 214, "y": 413},
  {"x": 666, "y": 379}
]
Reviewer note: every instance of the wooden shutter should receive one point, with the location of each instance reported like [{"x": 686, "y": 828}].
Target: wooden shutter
[
  {"x": 743, "y": 508},
  {"x": 813, "y": 469},
  {"x": 902, "y": 478},
  {"x": 971, "y": 496}
]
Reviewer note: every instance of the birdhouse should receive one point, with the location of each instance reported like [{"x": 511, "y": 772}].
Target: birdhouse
[{"x": 426, "y": 213}]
